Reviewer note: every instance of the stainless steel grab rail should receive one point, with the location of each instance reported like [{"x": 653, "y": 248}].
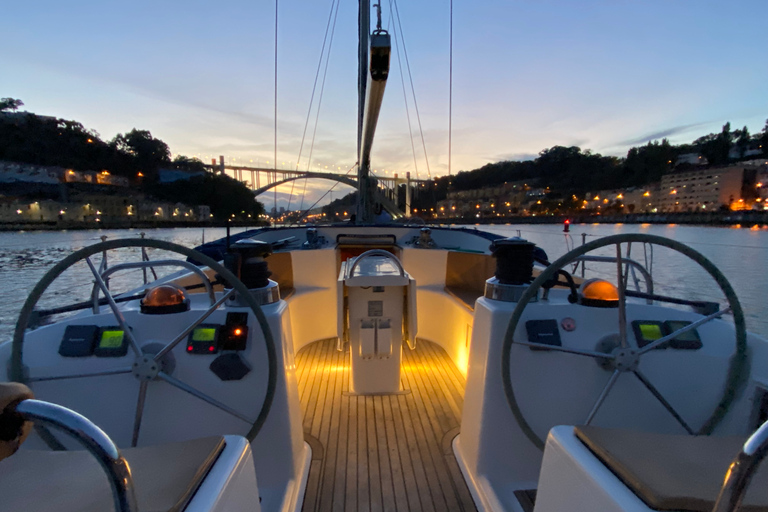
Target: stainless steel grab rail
[
  {"x": 376, "y": 252},
  {"x": 161, "y": 263},
  {"x": 627, "y": 261},
  {"x": 741, "y": 471},
  {"x": 94, "y": 440}
]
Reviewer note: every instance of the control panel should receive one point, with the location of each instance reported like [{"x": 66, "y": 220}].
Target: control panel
[
  {"x": 648, "y": 331},
  {"x": 92, "y": 340},
  {"x": 204, "y": 339}
]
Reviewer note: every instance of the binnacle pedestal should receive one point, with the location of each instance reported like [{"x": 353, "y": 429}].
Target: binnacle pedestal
[{"x": 378, "y": 313}]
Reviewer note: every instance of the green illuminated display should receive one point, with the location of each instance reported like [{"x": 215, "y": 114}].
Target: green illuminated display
[
  {"x": 675, "y": 325},
  {"x": 204, "y": 334},
  {"x": 111, "y": 339},
  {"x": 651, "y": 332}
]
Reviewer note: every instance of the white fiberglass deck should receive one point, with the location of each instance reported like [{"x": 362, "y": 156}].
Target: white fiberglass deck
[{"x": 384, "y": 452}]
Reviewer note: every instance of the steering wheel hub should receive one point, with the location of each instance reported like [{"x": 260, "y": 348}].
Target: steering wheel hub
[
  {"x": 625, "y": 359},
  {"x": 145, "y": 368}
]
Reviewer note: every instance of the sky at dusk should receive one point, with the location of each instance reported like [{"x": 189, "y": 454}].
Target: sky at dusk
[{"x": 600, "y": 74}]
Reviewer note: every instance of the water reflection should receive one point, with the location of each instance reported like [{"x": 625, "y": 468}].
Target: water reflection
[{"x": 741, "y": 254}]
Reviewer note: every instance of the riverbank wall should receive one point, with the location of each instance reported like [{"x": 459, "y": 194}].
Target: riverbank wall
[
  {"x": 123, "y": 224},
  {"x": 730, "y": 218}
]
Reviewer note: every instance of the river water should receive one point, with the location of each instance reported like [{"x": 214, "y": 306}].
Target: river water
[{"x": 740, "y": 253}]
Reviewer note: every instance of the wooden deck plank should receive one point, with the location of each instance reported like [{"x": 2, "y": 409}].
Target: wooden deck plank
[
  {"x": 340, "y": 479},
  {"x": 431, "y": 427},
  {"x": 350, "y": 489},
  {"x": 330, "y": 424},
  {"x": 385, "y": 457},
  {"x": 382, "y": 453},
  {"x": 403, "y": 479}
]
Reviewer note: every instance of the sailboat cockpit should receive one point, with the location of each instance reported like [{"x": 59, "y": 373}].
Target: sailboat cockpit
[{"x": 380, "y": 366}]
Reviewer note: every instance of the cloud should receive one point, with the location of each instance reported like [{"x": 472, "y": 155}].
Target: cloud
[
  {"x": 662, "y": 134},
  {"x": 520, "y": 157}
]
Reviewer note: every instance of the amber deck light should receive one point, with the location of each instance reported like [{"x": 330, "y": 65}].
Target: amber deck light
[
  {"x": 164, "y": 299},
  {"x": 599, "y": 293}
]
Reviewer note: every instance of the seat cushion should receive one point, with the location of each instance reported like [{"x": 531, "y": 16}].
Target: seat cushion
[
  {"x": 673, "y": 472},
  {"x": 165, "y": 477}
]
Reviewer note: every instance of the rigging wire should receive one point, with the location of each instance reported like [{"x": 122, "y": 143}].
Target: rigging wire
[
  {"x": 450, "y": 86},
  {"x": 413, "y": 89},
  {"x": 312, "y": 97},
  {"x": 321, "y": 197},
  {"x": 320, "y": 101},
  {"x": 405, "y": 96},
  {"x": 275, "y": 155}
]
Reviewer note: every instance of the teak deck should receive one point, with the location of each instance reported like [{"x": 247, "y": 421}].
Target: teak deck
[{"x": 383, "y": 452}]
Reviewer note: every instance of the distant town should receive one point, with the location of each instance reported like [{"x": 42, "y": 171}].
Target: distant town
[{"x": 56, "y": 173}]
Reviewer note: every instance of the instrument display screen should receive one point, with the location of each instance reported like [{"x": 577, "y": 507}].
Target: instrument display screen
[
  {"x": 112, "y": 342},
  {"x": 204, "y": 339},
  {"x": 688, "y": 340},
  {"x": 647, "y": 331},
  {"x": 111, "y": 339},
  {"x": 204, "y": 334}
]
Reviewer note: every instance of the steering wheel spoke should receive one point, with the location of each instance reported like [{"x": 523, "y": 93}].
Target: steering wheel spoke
[
  {"x": 115, "y": 371},
  {"x": 683, "y": 330},
  {"x": 657, "y": 394},
  {"x": 139, "y": 412},
  {"x": 622, "y": 299},
  {"x": 557, "y": 348},
  {"x": 202, "y": 396},
  {"x": 603, "y": 396}
]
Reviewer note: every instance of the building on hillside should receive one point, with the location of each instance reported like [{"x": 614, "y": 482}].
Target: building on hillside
[
  {"x": 691, "y": 159},
  {"x": 704, "y": 189},
  {"x": 499, "y": 200},
  {"x": 626, "y": 200}
]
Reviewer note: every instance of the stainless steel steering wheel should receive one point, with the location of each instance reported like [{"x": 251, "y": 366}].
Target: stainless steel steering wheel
[
  {"x": 148, "y": 367},
  {"x": 624, "y": 358}
]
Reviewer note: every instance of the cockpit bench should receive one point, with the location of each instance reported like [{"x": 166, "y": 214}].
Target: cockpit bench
[
  {"x": 666, "y": 472},
  {"x": 166, "y": 477}
]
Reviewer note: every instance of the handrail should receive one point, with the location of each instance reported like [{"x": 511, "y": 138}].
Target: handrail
[
  {"x": 94, "y": 440},
  {"x": 377, "y": 252},
  {"x": 628, "y": 261},
  {"x": 741, "y": 471},
  {"x": 159, "y": 263}
]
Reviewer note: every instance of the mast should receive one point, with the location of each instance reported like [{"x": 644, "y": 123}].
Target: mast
[
  {"x": 372, "y": 80},
  {"x": 363, "y": 27}
]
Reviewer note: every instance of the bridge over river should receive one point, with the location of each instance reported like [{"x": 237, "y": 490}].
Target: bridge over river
[{"x": 260, "y": 180}]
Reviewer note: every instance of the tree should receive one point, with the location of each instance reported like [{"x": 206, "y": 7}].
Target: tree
[
  {"x": 647, "y": 164},
  {"x": 715, "y": 147},
  {"x": 149, "y": 153},
  {"x": 226, "y": 196},
  {"x": 763, "y": 140},
  {"x": 742, "y": 140},
  {"x": 184, "y": 163},
  {"x": 10, "y": 104}
]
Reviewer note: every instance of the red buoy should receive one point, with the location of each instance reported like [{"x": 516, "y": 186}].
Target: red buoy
[{"x": 566, "y": 226}]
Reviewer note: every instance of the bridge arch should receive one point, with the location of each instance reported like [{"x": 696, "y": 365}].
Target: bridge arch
[{"x": 341, "y": 179}]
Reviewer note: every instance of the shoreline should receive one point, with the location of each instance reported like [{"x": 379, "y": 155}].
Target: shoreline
[
  {"x": 747, "y": 219},
  {"x": 82, "y": 226},
  {"x": 730, "y": 218}
]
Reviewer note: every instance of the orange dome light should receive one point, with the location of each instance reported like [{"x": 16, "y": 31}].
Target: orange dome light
[
  {"x": 598, "y": 293},
  {"x": 164, "y": 299}
]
